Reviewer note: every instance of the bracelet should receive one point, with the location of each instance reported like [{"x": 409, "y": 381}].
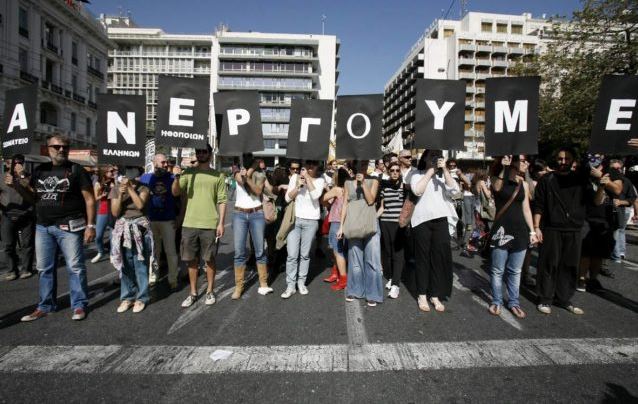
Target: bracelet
[
  {"x": 90, "y": 226},
  {"x": 532, "y": 233}
]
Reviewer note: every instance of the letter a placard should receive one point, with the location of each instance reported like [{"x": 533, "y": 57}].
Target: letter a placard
[
  {"x": 359, "y": 126},
  {"x": 511, "y": 115},
  {"x": 19, "y": 122},
  {"x": 182, "y": 112},
  {"x": 121, "y": 129},
  {"x": 439, "y": 114},
  {"x": 238, "y": 122},
  {"x": 310, "y": 129},
  {"x": 616, "y": 116}
]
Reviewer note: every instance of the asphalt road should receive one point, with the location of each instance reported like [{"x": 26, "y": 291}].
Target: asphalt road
[{"x": 318, "y": 348}]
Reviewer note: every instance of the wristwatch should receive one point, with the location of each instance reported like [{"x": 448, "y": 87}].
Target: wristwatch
[{"x": 90, "y": 226}]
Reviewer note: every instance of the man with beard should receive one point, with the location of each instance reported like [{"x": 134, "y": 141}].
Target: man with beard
[
  {"x": 205, "y": 191},
  {"x": 162, "y": 213},
  {"x": 560, "y": 210}
]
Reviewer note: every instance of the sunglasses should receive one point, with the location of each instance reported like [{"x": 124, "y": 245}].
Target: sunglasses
[
  {"x": 452, "y": 166},
  {"x": 405, "y": 157},
  {"x": 59, "y": 147},
  {"x": 395, "y": 171}
]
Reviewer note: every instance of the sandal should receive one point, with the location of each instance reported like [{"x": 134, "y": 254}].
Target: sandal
[
  {"x": 438, "y": 306},
  {"x": 518, "y": 312},
  {"x": 495, "y": 309}
]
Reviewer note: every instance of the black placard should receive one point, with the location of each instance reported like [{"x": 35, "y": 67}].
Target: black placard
[
  {"x": 20, "y": 108},
  {"x": 121, "y": 129},
  {"x": 182, "y": 112},
  {"x": 616, "y": 116},
  {"x": 359, "y": 126},
  {"x": 310, "y": 128},
  {"x": 511, "y": 115},
  {"x": 238, "y": 112},
  {"x": 439, "y": 114}
]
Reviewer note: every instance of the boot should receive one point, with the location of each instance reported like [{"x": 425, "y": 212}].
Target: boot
[
  {"x": 262, "y": 271},
  {"x": 341, "y": 283},
  {"x": 334, "y": 275},
  {"x": 239, "y": 282}
]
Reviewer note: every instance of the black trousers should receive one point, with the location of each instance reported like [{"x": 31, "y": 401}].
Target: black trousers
[
  {"x": 17, "y": 241},
  {"x": 558, "y": 261},
  {"x": 433, "y": 258},
  {"x": 392, "y": 250}
]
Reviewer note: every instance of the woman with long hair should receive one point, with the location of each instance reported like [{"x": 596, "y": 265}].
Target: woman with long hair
[
  {"x": 512, "y": 232},
  {"x": 434, "y": 186},
  {"x": 101, "y": 189},
  {"x": 334, "y": 198}
]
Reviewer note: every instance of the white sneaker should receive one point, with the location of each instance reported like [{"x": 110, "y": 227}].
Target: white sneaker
[
  {"x": 289, "y": 292},
  {"x": 264, "y": 290},
  {"x": 394, "y": 292},
  {"x": 188, "y": 302},
  {"x": 389, "y": 284},
  {"x": 210, "y": 299},
  {"x": 97, "y": 258},
  {"x": 303, "y": 290}
]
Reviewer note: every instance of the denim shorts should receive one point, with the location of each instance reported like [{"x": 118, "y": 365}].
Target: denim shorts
[{"x": 338, "y": 246}]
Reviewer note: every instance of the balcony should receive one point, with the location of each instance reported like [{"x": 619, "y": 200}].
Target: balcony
[
  {"x": 92, "y": 104},
  {"x": 480, "y": 104},
  {"x": 56, "y": 89},
  {"x": 467, "y": 47},
  {"x": 499, "y": 49},
  {"x": 28, "y": 77},
  {"x": 480, "y": 90},
  {"x": 23, "y": 32},
  {"x": 482, "y": 76},
  {"x": 483, "y": 62},
  {"x": 79, "y": 98},
  {"x": 68, "y": 94},
  {"x": 469, "y": 117},
  {"x": 516, "y": 51},
  {"x": 469, "y": 133},
  {"x": 465, "y": 61},
  {"x": 479, "y": 118},
  {"x": 95, "y": 72},
  {"x": 500, "y": 63},
  {"x": 52, "y": 48},
  {"x": 470, "y": 90},
  {"x": 45, "y": 84},
  {"x": 484, "y": 48},
  {"x": 466, "y": 75}
]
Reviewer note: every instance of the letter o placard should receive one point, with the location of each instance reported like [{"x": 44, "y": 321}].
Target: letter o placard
[{"x": 365, "y": 119}]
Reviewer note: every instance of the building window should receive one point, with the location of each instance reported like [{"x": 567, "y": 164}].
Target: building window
[
  {"x": 269, "y": 143},
  {"x": 74, "y": 83},
  {"x": 23, "y": 22},
  {"x": 88, "y": 127},
  {"x": 501, "y": 28},
  {"x": 486, "y": 27},
  {"x": 74, "y": 53},
  {"x": 448, "y": 32},
  {"x": 23, "y": 58},
  {"x": 73, "y": 121},
  {"x": 283, "y": 143},
  {"x": 517, "y": 29}
]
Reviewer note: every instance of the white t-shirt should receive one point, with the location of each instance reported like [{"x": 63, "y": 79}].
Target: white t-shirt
[
  {"x": 245, "y": 200},
  {"x": 435, "y": 202},
  {"x": 407, "y": 175},
  {"x": 306, "y": 203}
]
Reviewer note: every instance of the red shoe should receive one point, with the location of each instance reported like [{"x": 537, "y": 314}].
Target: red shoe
[
  {"x": 341, "y": 283},
  {"x": 334, "y": 275}
]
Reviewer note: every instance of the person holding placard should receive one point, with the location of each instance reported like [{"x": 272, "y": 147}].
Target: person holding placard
[
  {"x": 248, "y": 218},
  {"x": 360, "y": 227},
  {"x": 305, "y": 189},
  {"x": 205, "y": 193},
  {"x": 131, "y": 241},
  {"x": 434, "y": 186}
]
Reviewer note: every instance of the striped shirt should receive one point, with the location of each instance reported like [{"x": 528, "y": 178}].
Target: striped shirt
[{"x": 392, "y": 202}]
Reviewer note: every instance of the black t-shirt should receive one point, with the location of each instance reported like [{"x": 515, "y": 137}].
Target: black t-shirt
[
  {"x": 59, "y": 192},
  {"x": 510, "y": 231}
]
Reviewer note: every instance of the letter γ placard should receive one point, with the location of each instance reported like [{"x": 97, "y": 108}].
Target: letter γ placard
[{"x": 310, "y": 129}]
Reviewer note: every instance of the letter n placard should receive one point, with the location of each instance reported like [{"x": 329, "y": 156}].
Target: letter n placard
[
  {"x": 616, "y": 117},
  {"x": 121, "y": 129},
  {"x": 511, "y": 115}
]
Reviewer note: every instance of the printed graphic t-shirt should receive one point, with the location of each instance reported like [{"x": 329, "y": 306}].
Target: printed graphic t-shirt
[
  {"x": 161, "y": 204},
  {"x": 59, "y": 193}
]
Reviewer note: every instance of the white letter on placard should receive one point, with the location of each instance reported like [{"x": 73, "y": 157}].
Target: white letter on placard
[
  {"x": 305, "y": 123},
  {"x": 237, "y": 117},
  {"x": 19, "y": 118},
  {"x": 349, "y": 125},
  {"x": 615, "y": 114},
  {"x": 439, "y": 114},
  {"x": 518, "y": 116},
  {"x": 115, "y": 124},
  {"x": 176, "y": 111}
]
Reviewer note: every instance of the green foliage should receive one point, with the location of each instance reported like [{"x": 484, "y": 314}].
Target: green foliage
[{"x": 600, "y": 39}]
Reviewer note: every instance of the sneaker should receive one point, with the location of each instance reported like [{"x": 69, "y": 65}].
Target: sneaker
[
  {"x": 264, "y": 290},
  {"x": 78, "y": 314},
  {"x": 97, "y": 258},
  {"x": 581, "y": 285},
  {"x": 26, "y": 275},
  {"x": 575, "y": 310},
  {"x": 350, "y": 298},
  {"x": 138, "y": 306},
  {"x": 422, "y": 300},
  {"x": 210, "y": 299},
  {"x": 389, "y": 284},
  {"x": 37, "y": 314},
  {"x": 372, "y": 304},
  {"x": 394, "y": 292},
  {"x": 12, "y": 276},
  {"x": 289, "y": 292},
  {"x": 124, "y": 306},
  {"x": 303, "y": 290},
  {"x": 188, "y": 302},
  {"x": 607, "y": 272},
  {"x": 622, "y": 257},
  {"x": 544, "y": 308}
]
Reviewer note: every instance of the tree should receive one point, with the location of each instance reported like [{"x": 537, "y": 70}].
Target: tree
[{"x": 600, "y": 39}]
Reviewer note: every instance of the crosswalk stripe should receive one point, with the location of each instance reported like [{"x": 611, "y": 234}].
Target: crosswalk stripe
[{"x": 152, "y": 360}]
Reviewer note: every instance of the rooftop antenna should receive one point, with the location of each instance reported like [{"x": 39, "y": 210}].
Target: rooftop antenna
[
  {"x": 463, "y": 8},
  {"x": 323, "y": 24},
  {"x": 121, "y": 10}
]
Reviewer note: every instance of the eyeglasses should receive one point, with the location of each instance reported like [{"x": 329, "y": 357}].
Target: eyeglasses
[
  {"x": 59, "y": 147},
  {"x": 405, "y": 157},
  {"x": 452, "y": 166},
  {"x": 395, "y": 171}
]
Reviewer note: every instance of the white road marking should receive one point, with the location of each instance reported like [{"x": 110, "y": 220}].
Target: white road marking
[
  {"x": 181, "y": 360},
  {"x": 632, "y": 266}
]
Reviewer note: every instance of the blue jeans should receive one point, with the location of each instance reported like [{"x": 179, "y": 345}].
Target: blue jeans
[
  {"x": 512, "y": 262},
  {"x": 298, "y": 244},
  {"x": 365, "y": 276},
  {"x": 620, "y": 248},
  {"x": 101, "y": 223},
  {"x": 47, "y": 242},
  {"x": 242, "y": 224},
  {"x": 134, "y": 285}
]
